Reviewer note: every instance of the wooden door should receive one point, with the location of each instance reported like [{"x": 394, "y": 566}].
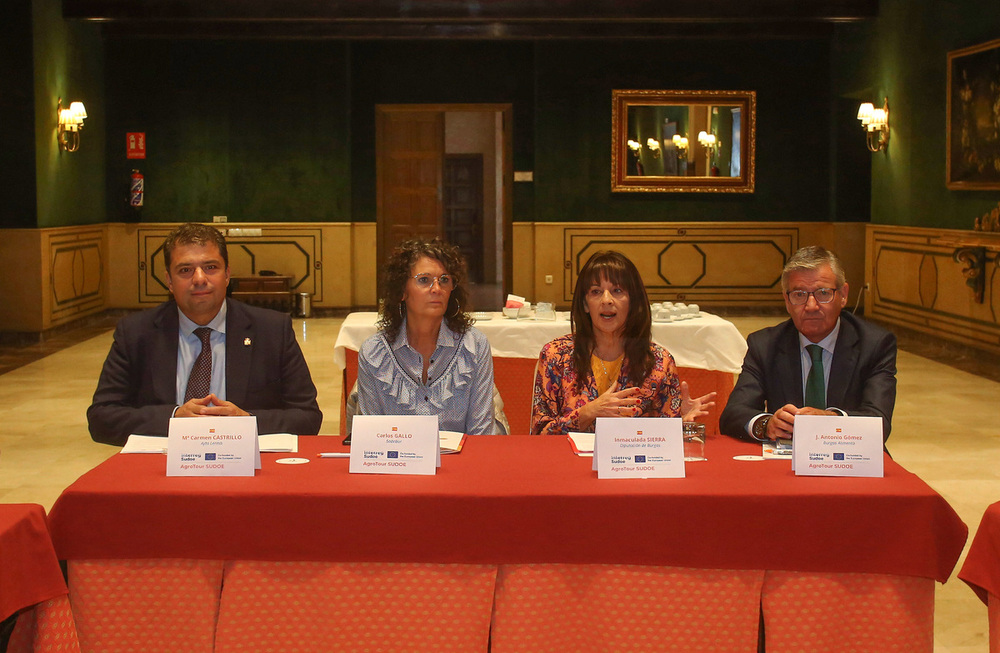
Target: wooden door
[
  {"x": 410, "y": 159},
  {"x": 463, "y": 209}
]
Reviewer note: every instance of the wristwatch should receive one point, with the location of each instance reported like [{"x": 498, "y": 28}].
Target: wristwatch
[{"x": 760, "y": 427}]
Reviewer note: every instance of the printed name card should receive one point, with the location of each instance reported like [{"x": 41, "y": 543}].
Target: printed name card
[
  {"x": 824, "y": 445},
  {"x": 639, "y": 447},
  {"x": 395, "y": 444},
  {"x": 212, "y": 446}
]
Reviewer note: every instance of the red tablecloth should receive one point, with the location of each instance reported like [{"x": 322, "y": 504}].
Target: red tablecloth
[
  {"x": 981, "y": 569},
  {"x": 29, "y": 570},
  {"x": 514, "y": 499}
]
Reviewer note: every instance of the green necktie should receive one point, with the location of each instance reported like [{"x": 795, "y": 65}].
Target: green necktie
[{"x": 815, "y": 385}]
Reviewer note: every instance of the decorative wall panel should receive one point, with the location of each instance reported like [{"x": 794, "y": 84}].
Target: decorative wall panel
[
  {"x": 76, "y": 280},
  {"x": 704, "y": 263},
  {"x": 693, "y": 264},
  {"x": 286, "y": 250},
  {"x": 918, "y": 282}
]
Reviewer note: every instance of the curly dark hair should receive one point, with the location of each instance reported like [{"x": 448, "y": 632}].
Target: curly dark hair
[
  {"x": 616, "y": 268},
  {"x": 194, "y": 233},
  {"x": 399, "y": 269}
]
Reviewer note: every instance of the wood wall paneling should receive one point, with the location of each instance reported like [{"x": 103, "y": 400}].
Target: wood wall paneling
[
  {"x": 76, "y": 280},
  {"x": 916, "y": 283},
  {"x": 69, "y": 272}
]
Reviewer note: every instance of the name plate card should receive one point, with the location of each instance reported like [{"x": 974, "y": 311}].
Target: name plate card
[
  {"x": 639, "y": 447},
  {"x": 825, "y": 445},
  {"x": 212, "y": 446},
  {"x": 395, "y": 444}
]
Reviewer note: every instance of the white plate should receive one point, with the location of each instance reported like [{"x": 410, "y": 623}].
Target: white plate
[
  {"x": 482, "y": 316},
  {"x": 748, "y": 457},
  {"x": 292, "y": 461}
]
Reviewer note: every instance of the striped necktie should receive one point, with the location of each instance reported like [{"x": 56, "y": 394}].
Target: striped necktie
[{"x": 200, "y": 381}]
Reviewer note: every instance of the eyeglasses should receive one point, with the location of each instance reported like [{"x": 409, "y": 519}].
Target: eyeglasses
[
  {"x": 445, "y": 281},
  {"x": 822, "y": 296}
]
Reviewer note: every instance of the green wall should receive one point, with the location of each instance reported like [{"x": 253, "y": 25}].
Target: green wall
[
  {"x": 17, "y": 143},
  {"x": 256, "y": 131},
  {"x": 573, "y": 126},
  {"x": 282, "y": 130},
  {"x": 68, "y": 63},
  {"x": 903, "y": 55}
]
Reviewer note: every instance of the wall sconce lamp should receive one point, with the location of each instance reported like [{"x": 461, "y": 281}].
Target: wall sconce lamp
[
  {"x": 70, "y": 124},
  {"x": 654, "y": 146},
  {"x": 635, "y": 146},
  {"x": 681, "y": 143},
  {"x": 707, "y": 141},
  {"x": 875, "y": 122}
]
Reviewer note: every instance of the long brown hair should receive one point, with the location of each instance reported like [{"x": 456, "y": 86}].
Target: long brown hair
[
  {"x": 397, "y": 272},
  {"x": 616, "y": 268}
]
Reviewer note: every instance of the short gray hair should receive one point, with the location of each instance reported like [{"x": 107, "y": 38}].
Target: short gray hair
[{"x": 813, "y": 257}]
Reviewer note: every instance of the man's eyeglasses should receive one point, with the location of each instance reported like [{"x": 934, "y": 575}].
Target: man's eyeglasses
[
  {"x": 822, "y": 295},
  {"x": 445, "y": 281}
]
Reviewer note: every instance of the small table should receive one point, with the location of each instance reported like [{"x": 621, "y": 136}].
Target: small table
[
  {"x": 708, "y": 351},
  {"x": 31, "y": 582},
  {"x": 981, "y": 569},
  {"x": 268, "y": 291}
]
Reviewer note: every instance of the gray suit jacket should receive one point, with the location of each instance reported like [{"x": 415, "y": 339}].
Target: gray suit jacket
[
  {"x": 266, "y": 374},
  {"x": 862, "y": 375}
]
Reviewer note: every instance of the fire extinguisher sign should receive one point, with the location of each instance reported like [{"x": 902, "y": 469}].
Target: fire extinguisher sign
[{"x": 135, "y": 145}]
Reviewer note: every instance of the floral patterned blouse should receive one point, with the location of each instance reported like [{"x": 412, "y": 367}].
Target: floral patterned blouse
[{"x": 557, "y": 402}]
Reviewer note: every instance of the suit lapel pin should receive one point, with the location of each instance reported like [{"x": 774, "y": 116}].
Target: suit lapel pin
[{"x": 246, "y": 342}]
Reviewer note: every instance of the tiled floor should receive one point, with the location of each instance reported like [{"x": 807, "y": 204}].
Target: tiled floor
[{"x": 945, "y": 430}]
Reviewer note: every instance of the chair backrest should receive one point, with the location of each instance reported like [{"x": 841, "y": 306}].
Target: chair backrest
[{"x": 500, "y": 425}]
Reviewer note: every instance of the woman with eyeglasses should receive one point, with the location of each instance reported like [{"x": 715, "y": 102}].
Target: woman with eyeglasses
[
  {"x": 427, "y": 358},
  {"x": 609, "y": 365}
]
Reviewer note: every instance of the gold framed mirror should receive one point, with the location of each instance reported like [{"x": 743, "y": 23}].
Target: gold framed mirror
[{"x": 683, "y": 141}]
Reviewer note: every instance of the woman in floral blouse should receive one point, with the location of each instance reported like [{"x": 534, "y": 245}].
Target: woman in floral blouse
[{"x": 609, "y": 365}]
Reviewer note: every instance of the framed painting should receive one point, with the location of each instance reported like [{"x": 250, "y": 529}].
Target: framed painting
[{"x": 973, "y": 129}]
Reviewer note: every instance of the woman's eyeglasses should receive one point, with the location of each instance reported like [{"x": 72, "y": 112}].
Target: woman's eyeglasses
[{"x": 445, "y": 281}]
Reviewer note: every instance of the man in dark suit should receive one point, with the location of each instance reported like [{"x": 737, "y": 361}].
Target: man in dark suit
[
  {"x": 157, "y": 369},
  {"x": 820, "y": 362}
]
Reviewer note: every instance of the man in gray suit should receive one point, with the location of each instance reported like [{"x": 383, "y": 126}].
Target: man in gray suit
[
  {"x": 820, "y": 362},
  {"x": 202, "y": 354}
]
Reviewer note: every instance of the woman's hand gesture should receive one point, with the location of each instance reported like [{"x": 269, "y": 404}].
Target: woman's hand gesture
[
  {"x": 692, "y": 409},
  {"x": 613, "y": 403}
]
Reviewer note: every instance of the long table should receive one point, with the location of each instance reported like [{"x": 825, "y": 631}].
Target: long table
[
  {"x": 708, "y": 351},
  {"x": 515, "y": 528},
  {"x": 32, "y": 588},
  {"x": 981, "y": 570}
]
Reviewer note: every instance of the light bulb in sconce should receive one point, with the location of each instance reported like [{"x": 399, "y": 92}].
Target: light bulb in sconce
[
  {"x": 70, "y": 124},
  {"x": 635, "y": 146},
  {"x": 681, "y": 143},
  {"x": 654, "y": 146},
  {"x": 875, "y": 122}
]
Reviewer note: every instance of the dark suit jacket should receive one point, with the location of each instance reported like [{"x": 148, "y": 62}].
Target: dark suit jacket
[
  {"x": 266, "y": 374},
  {"x": 862, "y": 375}
]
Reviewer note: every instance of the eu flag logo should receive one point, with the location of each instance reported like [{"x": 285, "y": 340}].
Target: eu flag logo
[
  {"x": 640, "y": 459},
  {"x": 209, "y": 456},
  {"x": 392, "y": 454},
  {"x": 838, "y": 456}
]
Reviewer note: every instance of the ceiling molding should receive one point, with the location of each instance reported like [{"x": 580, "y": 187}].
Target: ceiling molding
[{"x": 474, "y": 19}]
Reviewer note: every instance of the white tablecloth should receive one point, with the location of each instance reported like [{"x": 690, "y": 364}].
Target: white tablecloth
[{"x": 707, "y": 342}]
